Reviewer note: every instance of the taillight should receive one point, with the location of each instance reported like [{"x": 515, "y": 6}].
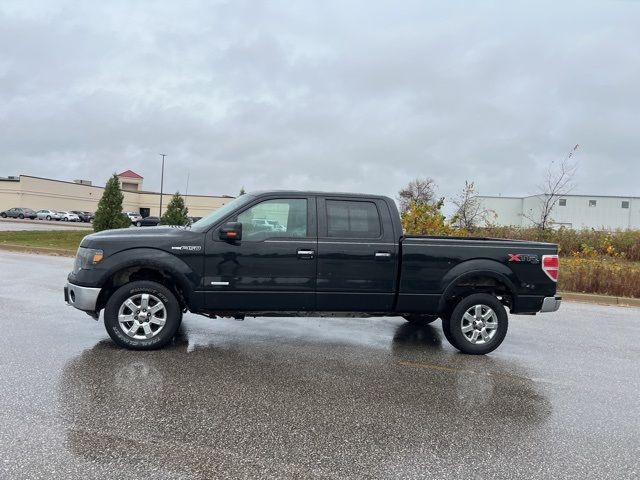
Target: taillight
[{"x": 550, "y": 266}]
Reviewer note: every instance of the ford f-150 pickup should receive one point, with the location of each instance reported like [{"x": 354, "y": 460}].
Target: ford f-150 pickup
[{"x": 287, "y": 253}]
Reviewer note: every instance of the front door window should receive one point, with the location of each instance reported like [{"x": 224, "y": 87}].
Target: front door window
[{"x": 275, "y": 218}]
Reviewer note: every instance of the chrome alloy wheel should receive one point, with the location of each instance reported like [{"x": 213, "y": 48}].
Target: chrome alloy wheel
[
  {"x": 142, "y": 316},
  {"x": 479, "y": 324}
]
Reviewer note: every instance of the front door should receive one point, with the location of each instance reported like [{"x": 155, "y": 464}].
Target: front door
[
  {"x": 273, "y": 266},
  {"x": 357, "y": 256}
]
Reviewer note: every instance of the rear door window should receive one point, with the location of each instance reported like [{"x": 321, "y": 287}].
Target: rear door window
[{"x": 352, "y": 219}]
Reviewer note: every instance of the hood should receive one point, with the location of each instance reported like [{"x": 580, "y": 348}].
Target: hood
[{"x": 139, "y": 237}]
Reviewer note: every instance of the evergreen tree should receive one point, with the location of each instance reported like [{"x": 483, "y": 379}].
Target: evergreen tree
[
  {"x": 177, "y": 212},
  {"x": 109, "y": 214}
]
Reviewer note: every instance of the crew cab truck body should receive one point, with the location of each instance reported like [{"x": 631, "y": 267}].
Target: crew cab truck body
[{"x": 328, "y": 254}]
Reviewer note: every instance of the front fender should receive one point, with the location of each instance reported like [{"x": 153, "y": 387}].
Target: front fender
[{"x": 152, "y": 258}]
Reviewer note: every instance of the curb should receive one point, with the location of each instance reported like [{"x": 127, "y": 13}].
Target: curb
[
  {"x": 58, "y": 252},
  {"x": 600, "y": 299}
]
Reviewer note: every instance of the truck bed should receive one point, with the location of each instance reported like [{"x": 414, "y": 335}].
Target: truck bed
[{"x": 430, "y": 264}]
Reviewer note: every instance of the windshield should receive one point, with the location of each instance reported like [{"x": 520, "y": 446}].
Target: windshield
[{"x": 204, "y": 223}]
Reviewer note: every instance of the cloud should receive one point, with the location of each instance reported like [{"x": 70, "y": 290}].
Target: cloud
[{"x": 349, "y": 96}]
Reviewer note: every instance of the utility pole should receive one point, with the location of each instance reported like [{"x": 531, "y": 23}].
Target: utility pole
[{"x": 161, "y": 182}]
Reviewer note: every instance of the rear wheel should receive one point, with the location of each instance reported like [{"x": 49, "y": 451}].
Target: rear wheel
[
  {"x": 420, "y": 319},
  {"x": 3, "y": 215},
  {"x": 142, "y": 315},
  {"x": 21, "y": 216},
  {"x": 138, "y": 224},
  {"x": 477, "y": 324},
  {"x": 49, "y": 217}
]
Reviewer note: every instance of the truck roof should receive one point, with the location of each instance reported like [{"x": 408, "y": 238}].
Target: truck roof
[{"x": 315, "y": 192}]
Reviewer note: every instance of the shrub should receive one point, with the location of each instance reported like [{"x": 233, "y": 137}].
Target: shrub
[
  {"x": 427, "y": 219},
  {"x": 619, "y": 243},
  {"x": 109, "y": 213},
  {"x": 603, "y": 275},
  {"x": 177, "y": 212}
]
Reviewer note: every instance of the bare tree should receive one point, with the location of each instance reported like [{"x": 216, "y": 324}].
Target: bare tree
[
  {"x": 470, "y": 211},
  {"x": 420, "y": 191},
  {"x": 558, "y": 181}
]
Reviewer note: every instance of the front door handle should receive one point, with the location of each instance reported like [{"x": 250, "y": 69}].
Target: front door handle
[
  {"x": 383, "y": 254},
  {"x": 305, "y": 253}
]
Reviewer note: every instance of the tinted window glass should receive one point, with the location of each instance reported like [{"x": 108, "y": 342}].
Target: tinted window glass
[
  {"x": 352, "y": 219},
  {"x": 275, "y": 218}
]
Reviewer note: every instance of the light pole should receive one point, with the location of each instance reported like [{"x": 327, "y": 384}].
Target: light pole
[{"x": 161, "y": 182}]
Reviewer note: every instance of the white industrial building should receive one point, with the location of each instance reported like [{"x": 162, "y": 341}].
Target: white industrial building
[{"x": 573, "y": 211}]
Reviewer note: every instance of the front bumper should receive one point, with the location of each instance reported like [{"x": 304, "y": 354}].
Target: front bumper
[
  {"x": 83, "y": 298},
  {"x": 550, "y": 304}
]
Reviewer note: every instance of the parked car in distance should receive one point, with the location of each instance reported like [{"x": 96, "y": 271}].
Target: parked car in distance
[
  {"x": 133, "y": 217},
  {"x": 18, "y": 213},
  {"x": 83, "y": 216},
  {"x": 339, "y": 254},
  {"x": 276, "y": 226},
  {"x": 47, "y": 215},
  {"x": 148, "y": 222},
  {"x": 68, "y": 217},
  {"x": 193, "y": 220}
]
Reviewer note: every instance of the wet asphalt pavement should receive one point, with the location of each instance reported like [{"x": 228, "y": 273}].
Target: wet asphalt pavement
[{"x": 311, "y": 398}]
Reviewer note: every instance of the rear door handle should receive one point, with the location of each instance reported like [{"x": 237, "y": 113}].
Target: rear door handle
[
  {"x": 306, "y": 253},
  {"x": 383, "y": 254}
]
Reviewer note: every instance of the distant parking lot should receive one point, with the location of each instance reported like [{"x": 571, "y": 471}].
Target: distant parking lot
[
  {"x": 12, "y": 225},
  {"x": 310, "y": 398}
]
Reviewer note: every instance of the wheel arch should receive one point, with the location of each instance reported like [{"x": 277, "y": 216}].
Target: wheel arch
[
  {"x": 152, "y": 265},
  {"x": 476, "y": 276}
]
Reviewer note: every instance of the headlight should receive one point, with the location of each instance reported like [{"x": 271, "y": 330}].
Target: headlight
[{"x": 87, "y": 258}]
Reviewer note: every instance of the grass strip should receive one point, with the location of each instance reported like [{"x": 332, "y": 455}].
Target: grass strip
[{"x": 57, "y": 239}]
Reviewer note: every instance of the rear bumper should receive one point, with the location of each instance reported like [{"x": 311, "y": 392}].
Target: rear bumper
[
  {"x": 82, "y": 298},
  {"x": 550, "y": 304}
]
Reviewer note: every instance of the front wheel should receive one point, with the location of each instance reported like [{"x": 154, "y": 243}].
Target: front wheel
[
  {"x": 21, "y": 217},
  {"x": 477, "y": 324},
  {"x": 138, "y": 224},
  {"x": 142, "y": 315},
  {"x": 420, "y": 319},
  {"x": 3, "y": 215}
]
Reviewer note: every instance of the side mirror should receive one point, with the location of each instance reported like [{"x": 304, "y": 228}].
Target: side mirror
[{"x": 231, "y": 231}]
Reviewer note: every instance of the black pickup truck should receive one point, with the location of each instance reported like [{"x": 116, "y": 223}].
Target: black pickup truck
[{"x": 286, "y": 253}]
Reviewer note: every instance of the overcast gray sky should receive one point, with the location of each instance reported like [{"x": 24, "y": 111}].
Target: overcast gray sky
[{"x": 332, "y": 95}]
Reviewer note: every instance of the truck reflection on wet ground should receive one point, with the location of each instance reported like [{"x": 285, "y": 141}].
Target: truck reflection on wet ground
[{"x": 280, "y": 406}]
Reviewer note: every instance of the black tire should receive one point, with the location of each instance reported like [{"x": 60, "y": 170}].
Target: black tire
[
  {"x": 21, "y": 216},
  {"x": 453, "y": 325},
  {"x": 3, "y": 215},
  {"x": 65, "y": 219},
  {"x": 139, "y": 224},
  {"x": 49, "y": 217},
  {"x": 420, "y": 319},
  {"x": 445, "y": 319},
  {"x": 173, "y": 315}
]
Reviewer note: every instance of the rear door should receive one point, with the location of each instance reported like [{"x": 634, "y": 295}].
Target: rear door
[{"x": 357, "y": 255}]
